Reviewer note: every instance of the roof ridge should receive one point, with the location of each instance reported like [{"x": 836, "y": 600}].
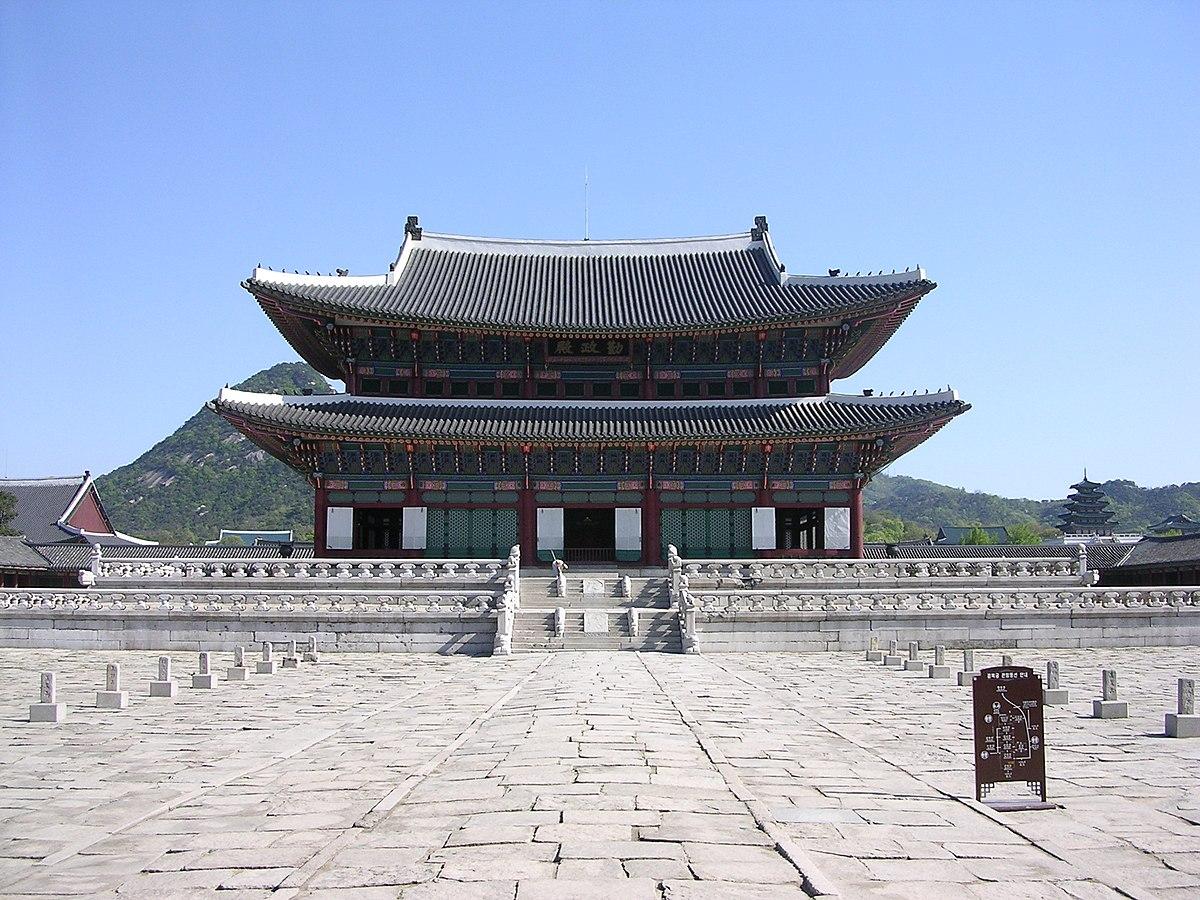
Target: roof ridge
[{"x": 49, "y": 479}]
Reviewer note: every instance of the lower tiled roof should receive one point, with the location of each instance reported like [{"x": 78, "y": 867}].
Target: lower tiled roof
[{"x": 551, "y": 421}]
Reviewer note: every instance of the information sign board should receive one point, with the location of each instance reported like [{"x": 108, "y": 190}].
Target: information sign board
[{"x": 1009, "y": 737}]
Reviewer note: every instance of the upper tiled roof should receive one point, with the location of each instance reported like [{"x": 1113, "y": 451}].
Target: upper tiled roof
[
  {"x": 550, "y": 421},
  {"x": 41, "y": 504},
  {"x": 592, "y": 286}
]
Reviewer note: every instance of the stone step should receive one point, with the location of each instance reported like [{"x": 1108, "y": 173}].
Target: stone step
[{"x": 643, "y": 646}]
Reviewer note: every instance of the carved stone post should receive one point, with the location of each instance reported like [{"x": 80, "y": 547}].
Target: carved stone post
[
  {"x": 504, "y": 627},
  {"x": 675, "y": 566},
  {"x": 689, "y": 639}
]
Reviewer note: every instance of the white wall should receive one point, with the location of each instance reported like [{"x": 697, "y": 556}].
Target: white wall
[
  {"x": 413, "y": 533},
  {"x": 550, "y": 528},
  {"x": 629, "y": 528},
  {"x": 339, "y": 528},
  {"x": 763, "y": 528},
  {"x": 837, "y": 528}
]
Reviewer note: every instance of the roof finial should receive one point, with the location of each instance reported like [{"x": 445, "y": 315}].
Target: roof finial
[
  {"x": 760, "y": 228},
  {"x": 412, "y": 228}
]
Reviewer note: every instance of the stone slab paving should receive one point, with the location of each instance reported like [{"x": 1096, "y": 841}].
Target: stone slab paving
[
  {"x": 580, "y": 775},
  {"x": 870, "y": 770}
]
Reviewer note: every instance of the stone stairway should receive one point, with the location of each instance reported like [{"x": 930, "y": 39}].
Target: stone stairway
[
  {"x": 604, "y": 591},
  {"x": 658, "y": 631},
  {"x": 605, "y": 600}
]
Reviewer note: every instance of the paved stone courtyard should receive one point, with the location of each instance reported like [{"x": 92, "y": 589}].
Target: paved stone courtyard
[{"x": 582, "y": 775}]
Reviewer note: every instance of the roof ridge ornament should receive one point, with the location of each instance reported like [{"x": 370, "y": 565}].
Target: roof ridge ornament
[
  {"x": 760, "y": 228},
  {"x": 412, "y": 228}
]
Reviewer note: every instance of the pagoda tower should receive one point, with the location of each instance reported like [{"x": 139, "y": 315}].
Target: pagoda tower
[
  {"x": 1087, "y": 510},
  {"x": 589, "y": 400}
]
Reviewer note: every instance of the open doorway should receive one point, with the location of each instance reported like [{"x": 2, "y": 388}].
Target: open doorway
[
  {"x": 378, "y": 528},
  {"x": 589, "y": 535},
  {"x": 799, "y": 529}
]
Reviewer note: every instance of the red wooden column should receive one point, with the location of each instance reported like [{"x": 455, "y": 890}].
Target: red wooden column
[
  {"x": 527, "y": 517},
  {"x": 651, "y": 528},
  {"x": 651, "y": 517},
  {"x": 856, "y": 523},
  {"x": 320, "y": 503}
]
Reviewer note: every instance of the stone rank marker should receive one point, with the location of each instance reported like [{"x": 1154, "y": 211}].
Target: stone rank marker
[
  {"x": 310, "y": 655},
  {"x": 1184, "y": 723},
  {"x": 1108, "y": 706},
  {"x": 290, "y": 659},
  {"x": 266, "y": 665},
  {"x": 874, "y": 654},
  {"x": 205, "y": 678},
  {"x": 112, "y": 697},
  {"x": 913, "y": 663},
  {"x": 48, "y": 709},
  {"x": 238, "y": 671},
  {"x": 893, "y": 659},
  {"x": 1053, "y": 694},
  {"x": 165, "y": 686},
  {"x": 939, "y": 669},
  {"x": 968, "y": 672}
]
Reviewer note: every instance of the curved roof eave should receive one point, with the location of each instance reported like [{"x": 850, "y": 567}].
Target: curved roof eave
[
  {"x": 709, "y": 420},
  {"x": 865, "y": 308}
]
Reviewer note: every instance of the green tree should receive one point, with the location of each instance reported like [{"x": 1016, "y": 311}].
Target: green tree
[
  {"x": 8, "y": 512},
  {"x": 978, "y": 536},
  {"x": 882, "y": 528},
  {"x": 1024, "y": 533}
]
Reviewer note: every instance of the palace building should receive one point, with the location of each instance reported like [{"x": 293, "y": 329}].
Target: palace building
[{"x": 588, "y": 400}]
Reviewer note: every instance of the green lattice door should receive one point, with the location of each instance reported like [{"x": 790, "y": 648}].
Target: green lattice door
[
  {"x": 672, "y": 530},
  {"x": 470, "y": 533},
  {"x": 708, "y": 533}
]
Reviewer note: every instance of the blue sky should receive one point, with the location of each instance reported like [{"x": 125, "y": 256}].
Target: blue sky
[{"x": 1038, "y": 159}]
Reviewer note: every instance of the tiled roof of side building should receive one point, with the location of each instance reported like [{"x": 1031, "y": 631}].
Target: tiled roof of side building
[
  {"x": 16, "y": 554},
  {"x": 41, "y": 503},
  {"x": 830, "y": 416},
  {"x": 1099, "y": 555},
  {"x": 1164, "y": 551},
  {"x": 592, "y": 286},
  {"x": 79, "y": 556}
]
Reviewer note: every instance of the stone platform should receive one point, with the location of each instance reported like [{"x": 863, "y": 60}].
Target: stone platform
[{"x": 742, "y": 775}]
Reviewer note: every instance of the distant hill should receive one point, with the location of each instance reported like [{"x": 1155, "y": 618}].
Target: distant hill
[
  {"x": 928, "y": 505},
  {"x": 207, "y": 476}
]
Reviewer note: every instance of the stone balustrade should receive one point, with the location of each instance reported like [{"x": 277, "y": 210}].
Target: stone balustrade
[
  {"x": 399, "y": 570},
  {"x": 718, "y": 603},
  {"x": 723, "y": 573},
  {"x": 839, "y": 620},
  {"x": 233, "y": 602}
]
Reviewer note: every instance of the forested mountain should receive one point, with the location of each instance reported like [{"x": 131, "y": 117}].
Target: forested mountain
[{"x": 206, "y": 476}]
